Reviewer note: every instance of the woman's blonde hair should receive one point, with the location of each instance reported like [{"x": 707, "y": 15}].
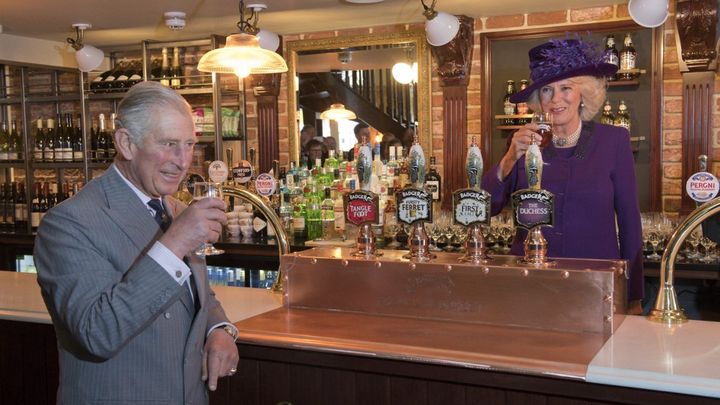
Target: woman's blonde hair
[{"x": 592, "y": 96}]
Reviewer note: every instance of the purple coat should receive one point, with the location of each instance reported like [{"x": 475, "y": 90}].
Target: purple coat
[{"x": 594, "y": 184}]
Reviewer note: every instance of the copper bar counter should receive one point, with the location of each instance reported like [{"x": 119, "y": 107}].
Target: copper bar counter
[{"x": 364, "y": 360}]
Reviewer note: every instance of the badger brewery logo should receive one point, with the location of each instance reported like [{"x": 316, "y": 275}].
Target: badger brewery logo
[
  {"x": 413, "y": 205},
  {"x": 471, "y": 206},
  {"x": 361, "y": 207},
  {"x": 533, "y": 208}
]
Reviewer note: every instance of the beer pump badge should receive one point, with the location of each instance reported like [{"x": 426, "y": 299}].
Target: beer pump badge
[
  {"x": 242, "y": 173},
  {"x": 218, "y": 171},
  {"x": 533, "y": 208},
  {"x": 413, "y": 205},
  {"x": 471, "y": 206},
  {"x": 702, "y": 186},
  {"x": 361, "y": 207},
  {"x": 265, "y": 184}
]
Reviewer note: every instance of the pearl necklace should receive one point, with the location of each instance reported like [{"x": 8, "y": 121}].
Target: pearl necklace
[{"x": 567, "y": 141}]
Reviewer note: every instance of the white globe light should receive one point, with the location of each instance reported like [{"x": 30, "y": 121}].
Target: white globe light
[
  {"x": 649, "y": 13},
  {"x": 402, "y": 73},
  {"x": 441, "y": 29},
  {"x": 268, "y": 40},
  {"x": 88, "y": 58}
]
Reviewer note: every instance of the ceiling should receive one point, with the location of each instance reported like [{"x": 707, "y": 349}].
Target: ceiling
[{"x": 130, "y": 21}]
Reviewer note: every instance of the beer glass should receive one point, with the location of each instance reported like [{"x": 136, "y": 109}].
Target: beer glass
[
  {"x": 544, "y": 122},
  {"x": 202, "y": 190}
]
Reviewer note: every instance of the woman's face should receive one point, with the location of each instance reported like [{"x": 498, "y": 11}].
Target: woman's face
[{"x": 562, "y": 100}]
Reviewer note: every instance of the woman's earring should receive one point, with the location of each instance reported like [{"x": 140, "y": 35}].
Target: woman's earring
[{"x": 582, "y": 105}]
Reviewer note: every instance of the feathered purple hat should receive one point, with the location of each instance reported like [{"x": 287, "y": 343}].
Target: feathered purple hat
[{"x": 562, "y": 58}]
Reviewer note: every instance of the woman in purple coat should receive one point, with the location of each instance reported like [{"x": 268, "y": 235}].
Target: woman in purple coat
[{"x": 588, "y": 166}]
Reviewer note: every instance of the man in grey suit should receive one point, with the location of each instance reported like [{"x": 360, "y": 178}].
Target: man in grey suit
[{"x": 135, "y": 318}]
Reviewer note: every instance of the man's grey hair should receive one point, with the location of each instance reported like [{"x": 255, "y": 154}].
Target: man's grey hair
[{"x": 136, "y": 111}]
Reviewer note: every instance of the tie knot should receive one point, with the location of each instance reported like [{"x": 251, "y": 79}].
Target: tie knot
[{"x": 161, "y": 216}]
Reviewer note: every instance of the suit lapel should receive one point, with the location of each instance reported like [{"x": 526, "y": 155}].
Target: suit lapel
[{"x": 126, "y": 209}]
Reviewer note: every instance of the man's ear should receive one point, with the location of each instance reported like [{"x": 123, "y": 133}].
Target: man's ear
[{"x": 124, "y": 145}]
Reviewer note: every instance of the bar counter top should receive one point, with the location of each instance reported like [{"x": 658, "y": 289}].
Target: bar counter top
[{"x": 640, "y": 354}]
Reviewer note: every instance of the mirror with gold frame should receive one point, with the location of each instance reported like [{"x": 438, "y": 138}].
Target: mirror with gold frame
[{"x": 414, "y": 45}]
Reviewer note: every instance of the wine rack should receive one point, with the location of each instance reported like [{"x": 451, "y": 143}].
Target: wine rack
[{"x": 31, "y": 92}]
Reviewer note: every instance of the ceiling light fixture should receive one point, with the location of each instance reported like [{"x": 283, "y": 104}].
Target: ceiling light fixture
[
  {"x": 649, "y": 13},
  {"x": 405, "y": 73},
  {"x": 87, "y": 56},
  {"x": 440, "y": 27},
  {"x": 242, "y": 53},
  {"x": 337, "y": 112},
  {"x": 175, "y": 20}
]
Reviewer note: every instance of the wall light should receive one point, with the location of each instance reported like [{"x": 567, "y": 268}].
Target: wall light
[
  {"x": 649, "y": 13},
  {"x": 440, "y": 27},
  {"x": 337, "y": 112},
  {"x": 242, "y": 53},
  {"x": 87, "y": 56},
  {"x": 404, "y": 73}
]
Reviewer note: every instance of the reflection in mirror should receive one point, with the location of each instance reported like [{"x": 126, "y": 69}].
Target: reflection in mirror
[{"x": 380, "y": 81}]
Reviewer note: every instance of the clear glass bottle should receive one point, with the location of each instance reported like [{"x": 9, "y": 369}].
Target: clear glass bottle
[
  {"x": 327, "y": 208},
  {"x": 607, "y": 116},
  {"x": 622, "y": 119},
  {"x": 628, "y": 59}
]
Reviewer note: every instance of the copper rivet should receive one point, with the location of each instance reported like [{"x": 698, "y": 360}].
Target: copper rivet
[
  {"x": 344, "y": 263},
  {"x": 378, "y": 264},
  {"x": 525, "y": 272},
  {"x": 486, "y": 270},
  {"x": 565, "y": 274},
  {"x": 448, "y": 267},
  {"x": 412, "y": 266},
  {"x": 313, "y": 261}
]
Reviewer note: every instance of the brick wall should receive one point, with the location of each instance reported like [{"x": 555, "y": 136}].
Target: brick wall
[{"x": 671, "y": 102}]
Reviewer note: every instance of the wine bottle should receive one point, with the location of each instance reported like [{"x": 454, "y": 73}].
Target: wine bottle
[
  {"x": 13, "y": 142},
  {"x": 59, "y": 140},
  {"x": 21, "y": 216},
  {"x": 93, "y": 141},
  {"x": 107, "y": 83},
  {"x": 628, "y": 59},
  {"x": 607, "y": 116},
  {"x": 3, "y": 224},
  {"x": 509, "y": 108},
  {"x": 522, "y": 107},
  {"x": 35, "y": 208},
  {"x": 611, "y": 53},
  {"x": 165, "y": 69},
  {"x": 39, "y": 141},
  {"x": 433, "y": 181},
  {"x": 622, "y": 119},
  {"x": 67, "y": 148},
  {"x": 97, "y": 84},
  {"x": 101, "y": 151},
  {"x": 121, "y": 81},
  {"x": 110, "y": 144},
  {"x": 78, "y": 144},
  {"x": 49, "y": 150},
  {"x": 135, "y": 74},
  {"x": 4, "y": 142},
  {"x": 176, "y": 81},
  {"x": 10, "y": 194},
  {"x": 45, "y": 201}
]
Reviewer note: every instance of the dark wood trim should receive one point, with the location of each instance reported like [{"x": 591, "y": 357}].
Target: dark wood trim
[
  {"x": 486, "y": 40},
  {"x": 268, "y": 142},
  {"x": 454, "y": 141}
]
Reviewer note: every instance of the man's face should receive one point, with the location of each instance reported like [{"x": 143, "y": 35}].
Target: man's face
[
  {"x": 314, "y": 152},
  {"x": 365, "y": 132},
  {"x": 159, "y": 163}
]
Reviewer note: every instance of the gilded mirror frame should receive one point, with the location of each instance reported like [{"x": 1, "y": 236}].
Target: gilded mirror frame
[{"x": 423, "y": 85}]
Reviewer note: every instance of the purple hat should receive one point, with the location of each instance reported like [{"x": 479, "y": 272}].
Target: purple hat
[{"x": 562, "y": 58}]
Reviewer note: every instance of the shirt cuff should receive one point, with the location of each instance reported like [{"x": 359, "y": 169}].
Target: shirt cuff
[
  {"x": 220, "y": 325},
  {"x": 176, "y": 268}
]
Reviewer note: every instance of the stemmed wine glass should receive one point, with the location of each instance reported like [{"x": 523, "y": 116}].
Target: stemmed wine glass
[
  {"x": 207, "y": 190},
  {"x": 543, "y": 120}
]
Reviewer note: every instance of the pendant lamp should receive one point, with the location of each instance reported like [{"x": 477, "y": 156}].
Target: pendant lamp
[
  {"x": 242, "y": 53},
  {"x": 87, "y": 56},
  {"x": 337, "y": 112},
  {"x": 440, "y": 27}
]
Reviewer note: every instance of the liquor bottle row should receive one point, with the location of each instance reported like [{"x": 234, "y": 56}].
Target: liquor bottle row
[
  {"x": 61, "y": 140},
  {"x": 14, "y": 214},
  {"x": 126, "y": 73},
  {"x": 621, "y": 119},
  {"x": 510, "y": 108},
  {"x": 11, "y": 143},
  {"x": 625, "y": 60}
]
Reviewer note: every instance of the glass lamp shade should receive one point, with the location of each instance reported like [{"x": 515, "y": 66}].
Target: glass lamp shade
[
  {"x": 88, "y": 58},
  {"x": 268, "y": 40},
  {"x": 337, "y": 112},
  {"x": 403, "y": 73},
  {"x": 242, "y": 52},
  {"x": 649, "y": 13},
  {"x": 441, "y": 29}
]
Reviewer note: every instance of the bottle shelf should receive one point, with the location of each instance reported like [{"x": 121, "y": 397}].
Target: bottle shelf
[
  {"x": 58, "y": 165},
  {"x": 6, "y": 164},
  {"x": 10, "y": 100}
]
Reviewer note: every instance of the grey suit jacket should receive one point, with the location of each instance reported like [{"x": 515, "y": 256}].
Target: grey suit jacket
[{"x": 127, "y": 331}]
